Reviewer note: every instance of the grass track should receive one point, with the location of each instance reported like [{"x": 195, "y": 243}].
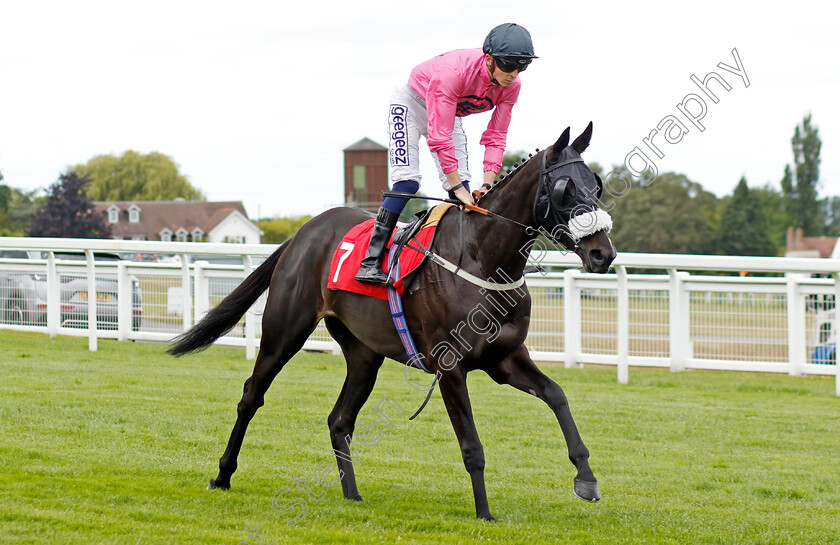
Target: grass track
[{"x": 117, "y": 446}]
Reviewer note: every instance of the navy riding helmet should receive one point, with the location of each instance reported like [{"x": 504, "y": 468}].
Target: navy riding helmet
[{"x": 512, "y": 43}]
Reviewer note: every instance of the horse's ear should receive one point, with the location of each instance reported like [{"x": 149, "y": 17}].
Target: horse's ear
[
  {"x": 560, "y": 145},
  {"x": 582, "y": 141}
]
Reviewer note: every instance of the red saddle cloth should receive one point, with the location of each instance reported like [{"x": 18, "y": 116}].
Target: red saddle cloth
[{"x": 353, "y": 247}]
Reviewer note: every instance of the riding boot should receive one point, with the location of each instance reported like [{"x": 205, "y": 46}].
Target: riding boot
[{"x": 371, "y": 271}]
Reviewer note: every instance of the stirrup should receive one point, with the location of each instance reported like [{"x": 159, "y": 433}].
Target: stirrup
[{"x": 371, "y": 275}]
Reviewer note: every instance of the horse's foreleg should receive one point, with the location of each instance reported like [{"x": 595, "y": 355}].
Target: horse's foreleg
[
  {"x": 520, "y": 371},
  {"x": 453, "y": 388}
]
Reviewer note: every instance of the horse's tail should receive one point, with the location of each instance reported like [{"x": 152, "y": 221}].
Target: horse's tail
[{"x": 226, "y": 314}]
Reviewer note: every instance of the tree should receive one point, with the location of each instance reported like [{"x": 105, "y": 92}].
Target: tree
[
  {"x": 800, "y": 186},
  {"x": 743, "y": 227},
  {"x": 136, "y": 177},
  {"x": 670, "y": 215},
  {"x": 17, "y": 208},
  {"x": 832, "y": 215},
  {"x": 772, "y": 204},
  {"x": 279, "y": 230},
  {"x": 413, "y": 206},
  {"x": 790, "y": 204},
  {"x": 69, "y": 212},
  {"x": 509, "y": 159},
  {"x": 5, "y": 201}
]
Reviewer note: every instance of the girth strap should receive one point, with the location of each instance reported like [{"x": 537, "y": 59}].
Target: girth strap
[{"x": 415, "y": 358}]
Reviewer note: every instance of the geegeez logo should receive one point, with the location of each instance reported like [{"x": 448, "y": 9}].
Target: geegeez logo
[{"x": 398, "y": 150}]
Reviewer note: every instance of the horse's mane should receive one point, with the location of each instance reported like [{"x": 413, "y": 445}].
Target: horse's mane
[{"x": 511, "y": 173}]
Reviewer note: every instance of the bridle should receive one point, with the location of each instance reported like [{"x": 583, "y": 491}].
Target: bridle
[{"x": 550, "y": 192}]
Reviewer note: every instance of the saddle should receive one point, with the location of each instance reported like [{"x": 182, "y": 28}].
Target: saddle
[{"x": 352, "y": 248}]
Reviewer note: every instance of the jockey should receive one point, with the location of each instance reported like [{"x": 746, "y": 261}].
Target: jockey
[{"x": 438, "y": 94}]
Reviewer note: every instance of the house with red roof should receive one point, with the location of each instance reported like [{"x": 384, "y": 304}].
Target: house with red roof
[
  {"x": 802, "y": 246},
  {"x": 179, "y": 220}
]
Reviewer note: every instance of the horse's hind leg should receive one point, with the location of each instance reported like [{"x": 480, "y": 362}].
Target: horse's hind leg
[
  {"x": 520, "y": 371},
  {"x": 282, "y": 340},
  {"x": 362, "y": 367}
]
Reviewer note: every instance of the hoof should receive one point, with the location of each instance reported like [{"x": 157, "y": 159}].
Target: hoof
[
  {"x": 214, "y": 484},
  {"x": 587, "y": 490},
  {"x": 354, "y": 498},
  {"x": 488, "y": 517}
]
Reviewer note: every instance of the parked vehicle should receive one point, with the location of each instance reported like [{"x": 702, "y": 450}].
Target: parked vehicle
[
  {"x": 825, "y": 351},
  {"x": 23, "y": 295}
]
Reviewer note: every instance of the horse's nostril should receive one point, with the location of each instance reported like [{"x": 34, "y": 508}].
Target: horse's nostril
[{"x": 596, "y": 256}]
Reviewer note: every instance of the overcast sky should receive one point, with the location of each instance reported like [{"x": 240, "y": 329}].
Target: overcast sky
[{"x": 255, "y": 101}]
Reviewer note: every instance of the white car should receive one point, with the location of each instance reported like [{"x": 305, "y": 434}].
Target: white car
[{"x": 825, "y": 338}]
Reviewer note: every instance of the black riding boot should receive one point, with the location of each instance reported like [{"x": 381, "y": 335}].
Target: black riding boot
[{"x": 371, "y": 270}]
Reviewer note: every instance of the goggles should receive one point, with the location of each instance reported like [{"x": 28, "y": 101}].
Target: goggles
[{"x": 509, "y": 64}]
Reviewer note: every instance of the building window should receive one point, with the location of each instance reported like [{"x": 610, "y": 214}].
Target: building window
[
  {"x": 181, "y": 235},
  {"x": 359, "y": 180},
  {"x": 166, "y": 235},
  {"x": 197, "y": 235},
  {"x": 134, "y": 214},
  {"x": 113, "y": 215}
]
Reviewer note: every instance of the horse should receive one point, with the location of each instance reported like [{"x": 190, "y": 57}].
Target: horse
[{"x": 545, "y": 195}]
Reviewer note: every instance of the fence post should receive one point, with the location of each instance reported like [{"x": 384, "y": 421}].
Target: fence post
[
  {"x": 623, "y": 323},
  {"x": 796, "y": 324},
  {"x": 124, "y": 302},
  {"x": 202, "y": 290},
  {"x": 677, "y": 316},
  {"x": 186, "y": 298},
  {"x": 250, "y": 327},
  {"x": 571, "y": 318},
  {"x": 685, "y": 322},
  {"x": 91, "y": 302},
  {"x": 53, "y": 297},
  {"x": 836, "y": 328}
]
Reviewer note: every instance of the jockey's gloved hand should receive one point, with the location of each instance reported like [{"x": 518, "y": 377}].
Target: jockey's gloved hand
[{"x": 464, "y": 195}]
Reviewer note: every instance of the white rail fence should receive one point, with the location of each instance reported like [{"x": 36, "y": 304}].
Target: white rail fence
[{"x": 696, "y": 314}]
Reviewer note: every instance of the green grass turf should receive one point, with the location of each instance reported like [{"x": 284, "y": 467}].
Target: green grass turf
[{"x": 117, "y": 446}]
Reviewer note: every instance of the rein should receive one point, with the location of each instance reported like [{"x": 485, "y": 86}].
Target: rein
[
  {"x": 452, "y": 267},
  {"x": 544, "y": 191},
  {"x": 471, "y": 207},
  {"x": 543, "y": 186}
]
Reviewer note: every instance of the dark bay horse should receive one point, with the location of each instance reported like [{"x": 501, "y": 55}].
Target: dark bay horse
[{"x": 549, "y": 193}]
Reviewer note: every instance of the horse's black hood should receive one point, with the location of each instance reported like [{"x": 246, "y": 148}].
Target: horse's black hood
[{"x": 568, "y": 192}]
